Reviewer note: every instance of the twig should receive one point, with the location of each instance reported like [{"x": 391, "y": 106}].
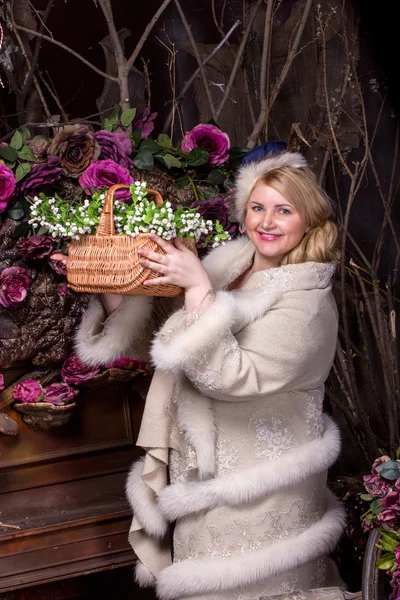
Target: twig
[
  {"x": 148, "y": 82},
  {"x": 196, "y": 72},
  {"x": 145, "y": 35},
  {"x": 68, "y": 49},
  {"x": 56, "y": 99},
  {"x": 35, "y": 58},
  {"x": 239, "y": 58},
  {"x": 264, "y": 61},
  {"x": 9, "y": 526},
  {"x": 198, "y": 58},
  {"x": 293, "y": 51}
]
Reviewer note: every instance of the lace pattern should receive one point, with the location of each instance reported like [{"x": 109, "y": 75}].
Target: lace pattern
[{"x": 272, "y": 438}]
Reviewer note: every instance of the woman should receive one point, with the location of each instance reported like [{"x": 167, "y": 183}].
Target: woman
[{"x": 234, "y": 412}]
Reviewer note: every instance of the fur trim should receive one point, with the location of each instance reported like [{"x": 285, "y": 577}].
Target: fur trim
[
  {"x": 181, "y": 499},
  {"x": 249, "y": 173},
  {"x": 224, "y": 263},
  {"x": 196, "y": 418},
  {"x": 213, "y": 575},
  {"x": 142, "y": 500},
  {"x": 143, "y": 577},
  {"x": 118, "y": 333},
  {"x": 171, "y": 353}
]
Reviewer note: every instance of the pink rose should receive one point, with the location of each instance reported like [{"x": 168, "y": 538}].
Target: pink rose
[
  {"x": 14, "y": 284},
  {"x": 105, "y": 173},
  {"x": 35, "y": 247},
  {"x": 7, "y": 186},
  {"x": 125, "y": 362},
  {"x": 59, "y": 393},
  {"x": 28, "y": 391},
  {"x": 212, "y": 139},
  {"x": 75, "y": 371},
  {"x": 375, "y": 485},
  {"x": 1, "y": 382}
]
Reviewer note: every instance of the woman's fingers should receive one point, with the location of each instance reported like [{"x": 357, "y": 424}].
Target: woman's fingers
[
  {"x": 61, "y": 257},
  {"x": 180, "y": 245},
  {"x": 156, "y": 281},
  {"x": 154, "y": 266}
]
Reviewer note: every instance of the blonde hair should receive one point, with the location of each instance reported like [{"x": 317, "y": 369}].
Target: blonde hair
[{"x": 301, "y": 190}]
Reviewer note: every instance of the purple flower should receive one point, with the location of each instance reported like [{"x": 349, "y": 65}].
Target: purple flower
[
  {"x": 125, "y": 362},
  {"x": 375, "y": 485},
  {"x": 7, "y": 186},
  {"x": 62, "y": 290},
  {"x": 28, "y": 391},
  {"x": 59, "y": 393},
  {"x": 106, "y": 173},
  {"x": 35, "y": 247},
  {"x": 74, "y": 370},
  {"x": 1, "y": 382},
  {"x": 42, "y": 174},
  {"x": 387, "y": 519},
  {"x": 216, "y": 209},
  {"x": 379, "y": 461},
  {"x": 58, "y": 267},
  {"x": 212, "y": 139},
  {"x": 14, "y": 285},
  {"x": 116, "y": 146},
  {"x": 144, "y": 121},
  {"x": 391, "y": 501}
]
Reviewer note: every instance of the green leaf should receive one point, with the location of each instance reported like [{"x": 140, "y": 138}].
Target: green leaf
[
  {"x": 229, "y": 184},
  {"x": 8, "y": 153},
  {"x": 106, "y": 124},
  {"x": 128, "y": 116},
  {"x": 22, "y": 229},
  {"x": 42, "y": 230},
  {"x": 238, "y": 151},
  {"x": 137, "y": 136},
  {"x": 16, "y": 140},
  {"x": 150, "y": 146},
  {"x": 169, "y": 160},
  {"x": 388, "y": 543},
  {"x": 367, "y": 497},
  {"x": 40, "y": 137},
  {"x": 10, "y": 165},
  {"x": 164, "y": 140},
  {"x": 144, "y": 160},
  {"x": 197, "y": 157},
  {"x": 206, "y": 193},
  {"x": 216, "y": 177},
  {"x": 26, "y": 154},
  {"x": 22, "y": 170},
  {"x": 24, "y": 131},
  {"x": 385, "y": 562},
  {"x": 114, "y": 117},
  {"x": 181, "y": 181},
  {"x": 389, "y": 470}
]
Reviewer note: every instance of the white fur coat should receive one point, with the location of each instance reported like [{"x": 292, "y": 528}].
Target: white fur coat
[{"x": 235, "y": 410}]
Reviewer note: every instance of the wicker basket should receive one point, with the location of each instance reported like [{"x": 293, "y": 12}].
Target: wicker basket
[{"x": 109, "y": 263}]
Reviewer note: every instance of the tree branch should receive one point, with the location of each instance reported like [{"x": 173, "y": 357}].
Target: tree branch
[
  {"x": 35, "y": 58},
  {"x": 198, "y": 58},
  {"x": 145, "y": 35},
  {"x": 68, "y": 49}
]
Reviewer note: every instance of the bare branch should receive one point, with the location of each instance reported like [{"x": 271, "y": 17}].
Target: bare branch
[
  {"x": 35, "y": 58},
  {"x": 68, "y": 49}
]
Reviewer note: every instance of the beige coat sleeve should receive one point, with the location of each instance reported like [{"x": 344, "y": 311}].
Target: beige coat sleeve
[
  {"x": 128, "y": 331},
  {"x": 290, "y": 348}
]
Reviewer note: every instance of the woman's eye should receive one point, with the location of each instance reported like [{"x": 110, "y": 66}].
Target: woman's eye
[
  {"x": 257, "y": 208},
  {"x": 285, "y": 211}
]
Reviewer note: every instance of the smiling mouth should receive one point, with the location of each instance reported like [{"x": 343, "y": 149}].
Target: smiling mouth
[{"x": 269, "y": 237}]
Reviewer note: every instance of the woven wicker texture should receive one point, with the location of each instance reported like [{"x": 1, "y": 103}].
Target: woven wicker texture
[{"x": 109, "y": 263}]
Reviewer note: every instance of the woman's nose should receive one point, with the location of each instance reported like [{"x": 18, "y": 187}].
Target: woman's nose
[{"x": 268, "y": 221}]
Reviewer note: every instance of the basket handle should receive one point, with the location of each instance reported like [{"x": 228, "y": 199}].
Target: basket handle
[{"x": 106, "y": 223}]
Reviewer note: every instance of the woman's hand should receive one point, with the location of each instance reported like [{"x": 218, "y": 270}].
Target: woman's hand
[{"x": 178, "y": 266}]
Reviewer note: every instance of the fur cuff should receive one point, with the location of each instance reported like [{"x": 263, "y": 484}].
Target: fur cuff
[
  {"x": 192, "y": 577},
  {"x": 249, "y": 173},
  {"x": 100, "y": 341},
  {"x": 142, "y": 500},
  {"x": 143, "y": 577},
  {"x": 172, "y": 351},
  {"x": 181, "y": 499}
]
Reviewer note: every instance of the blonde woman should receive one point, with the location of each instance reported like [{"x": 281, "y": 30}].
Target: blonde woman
[{"x": 236, "y": 445}]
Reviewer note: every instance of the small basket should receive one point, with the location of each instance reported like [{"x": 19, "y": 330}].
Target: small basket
[
  {"x": 44, "y": 414},
  {"x": 109, "y": 263}
]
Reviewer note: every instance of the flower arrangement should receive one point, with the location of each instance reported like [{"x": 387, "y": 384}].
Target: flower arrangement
[
  {"x": 383, "y": 494},
  {"x": 141, "y": 215}
]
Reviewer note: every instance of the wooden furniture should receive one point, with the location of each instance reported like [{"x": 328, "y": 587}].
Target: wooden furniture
[{"x": 62, "y": 497}]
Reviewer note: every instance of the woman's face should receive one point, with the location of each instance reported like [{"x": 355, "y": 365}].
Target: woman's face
[{"x": 273, "y": 225}]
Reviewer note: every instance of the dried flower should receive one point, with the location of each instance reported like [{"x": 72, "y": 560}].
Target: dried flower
[
  {"x": 28, "y": 391},
  {"x": 42, "y": 174},
  {"x": 116, "y": 146},
  {"x": 126, "y": 362},
  {"x": 212, "y": 139},
  {"x": 76, "y": 147},
  {"x": 58, "y": 267},
  {"x": 62, "y": 290},
  {"x": 14, "y": 285},
  {"x": 216, "y": 209},
  {"x": 75, "y": 371},
  {"x": 59, "y": 393},
  {"x": 105, "y": 173},
  {"x": 35, "y": 247},
  {"x": 7, "y": 186},
  {"x": 144, "y": 122}
]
